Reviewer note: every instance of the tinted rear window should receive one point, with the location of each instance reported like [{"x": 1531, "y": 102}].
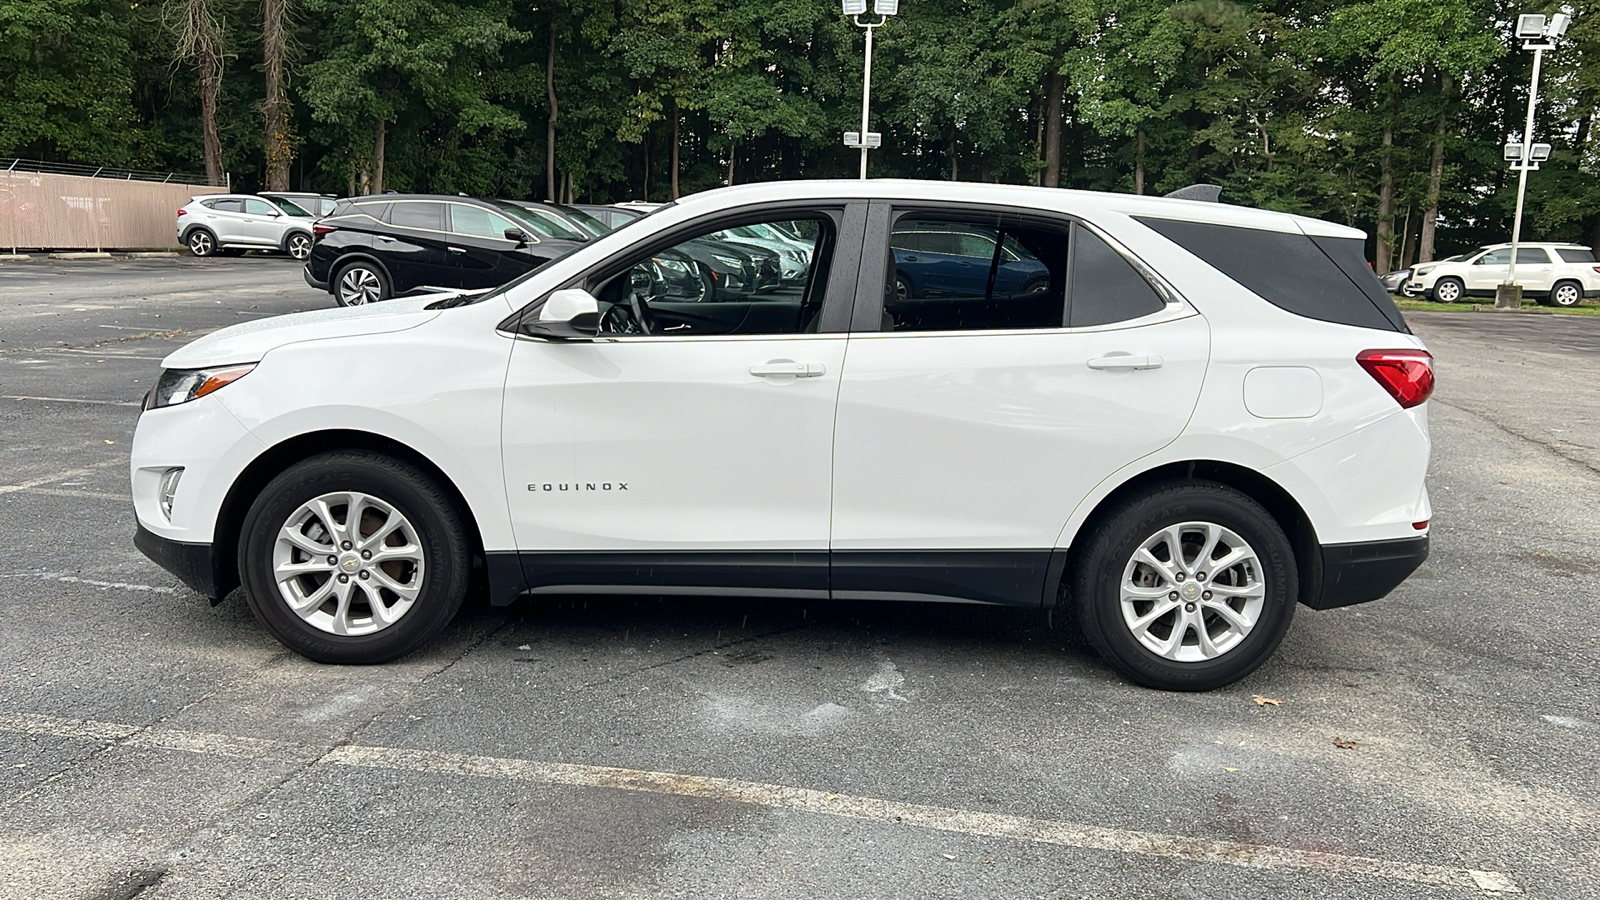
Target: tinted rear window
[
  {"x": 1575, "y": 255},
  {"x": 1319, "y": 278}
]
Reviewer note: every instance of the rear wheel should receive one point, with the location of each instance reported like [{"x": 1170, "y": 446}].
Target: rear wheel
[
  {"x": 1189, "y": 586},
  {"x": 1448, "y": 290},
  {"x": 298, "y": 245},
  {"x": 1566, "y": 294},
  {"x": 360, "y": 283},
  {"x": 202, "y": 242},
  {"x": 354, "y": 557}
]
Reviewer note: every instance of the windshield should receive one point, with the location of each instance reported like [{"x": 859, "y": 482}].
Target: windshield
[
  {"x": 544, "y": 223},
  {"x": 595, "y": 226},
  {"x": 290, "y": 208}
]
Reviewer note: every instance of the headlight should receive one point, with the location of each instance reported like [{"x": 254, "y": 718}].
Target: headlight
[
  {"x": 182, "y": 385},
  {"x": 671, "y": 265},
  {"x": 728, "y": 261}
]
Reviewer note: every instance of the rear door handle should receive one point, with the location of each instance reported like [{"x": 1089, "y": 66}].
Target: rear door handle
[
  {"x": 386, "y": 239},
  {"x": 782, "y": 367},
  {"x": 1118, "y": 361},
  {"x": 457, "y": 250}
]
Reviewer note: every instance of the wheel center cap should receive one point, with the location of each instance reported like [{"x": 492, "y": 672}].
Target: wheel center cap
[
  {"x": 350, "y": 563},
  {"x": 1191, "y": 591}
]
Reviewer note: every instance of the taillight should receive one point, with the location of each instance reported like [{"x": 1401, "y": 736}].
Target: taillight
[
  {"x": 1406, "y": 374},
  {"x": 182, "y": 211},
  {"x": 1596, "y": 268},
  {"x": 321, "y": 229}
]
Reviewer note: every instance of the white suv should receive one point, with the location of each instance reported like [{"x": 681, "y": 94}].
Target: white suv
[
  {"x": 244, "y": 222},
  {"x": 1553, "y": 274},
  {"x": 1196, "y": 417}
]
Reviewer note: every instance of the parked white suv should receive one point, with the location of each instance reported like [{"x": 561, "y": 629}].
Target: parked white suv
[
  {"x": 244, "y": 222},
  {"x": 1202, "y": 415},
  {"x": 1553, "y": 274}
]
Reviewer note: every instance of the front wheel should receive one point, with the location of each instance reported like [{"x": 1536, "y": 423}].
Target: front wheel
[
  {"x": 1566, "y": 294},
  {"x": 1187, "y": 587},
  {"x": 354, "y": 557},
  {"x": 1448, "y": 290}
]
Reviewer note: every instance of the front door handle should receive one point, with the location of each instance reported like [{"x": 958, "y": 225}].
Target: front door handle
[
  {"x": 1123, "y": 361},
  {"x": 784, "y": 367},
  {"x": 457, "y": 250}
]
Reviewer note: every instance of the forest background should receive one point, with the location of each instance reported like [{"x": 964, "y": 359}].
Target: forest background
[{"x": 1388, "y": 115}]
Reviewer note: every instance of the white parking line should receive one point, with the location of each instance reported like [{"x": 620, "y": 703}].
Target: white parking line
[
  {"x": 108, "y": 585},
  {"x": 59, "y": 476},
  {"x": 70, "y": 400},
  {"x": 774, "y": 796}
]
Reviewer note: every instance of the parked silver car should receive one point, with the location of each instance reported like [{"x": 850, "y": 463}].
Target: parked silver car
[{"x": 217, "y": 222}]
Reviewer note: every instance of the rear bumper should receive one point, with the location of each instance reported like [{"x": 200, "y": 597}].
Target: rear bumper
[
  {"x": 1358, "y": 573},
  {"x": 194, "y": 564},
  {"x": 319, "y": 285}
]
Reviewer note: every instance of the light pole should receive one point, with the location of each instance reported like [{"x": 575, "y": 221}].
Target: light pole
[
  {"x": 1537, "y": 35},
  {"x": 855, "y": 9}
]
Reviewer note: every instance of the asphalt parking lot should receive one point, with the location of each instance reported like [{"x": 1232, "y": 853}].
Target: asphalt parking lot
[{"x": 1438, "y": 743}]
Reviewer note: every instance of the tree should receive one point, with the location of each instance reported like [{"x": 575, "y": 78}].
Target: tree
[
  {"x": 274, "y": 110},
  {"x": 201, "y": 39}
]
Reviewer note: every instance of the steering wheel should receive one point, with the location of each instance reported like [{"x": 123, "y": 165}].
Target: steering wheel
[{"x": 636, "y": 305}]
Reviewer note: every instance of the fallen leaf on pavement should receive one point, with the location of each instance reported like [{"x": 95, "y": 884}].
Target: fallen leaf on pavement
[
  {"x": 1343, "y": 744},
  {"x": 947, "y": 856},
  {"x": 1266, "y": 701},
  {"x": 1230, "y": 768}
]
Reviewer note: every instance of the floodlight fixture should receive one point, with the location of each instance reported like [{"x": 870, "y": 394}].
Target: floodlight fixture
[
  {"x": 1558, "y": 25},
  {"x": 1513, "y": 153},
  {"x": 1530, "y": 26},
  {"x": 855, "y": 7},
  {"x": 886, "y": 7},
  {"x": 1539, "y": 152}
]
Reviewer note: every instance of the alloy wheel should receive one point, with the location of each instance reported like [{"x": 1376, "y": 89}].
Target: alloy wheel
[
  {"x": 360, "y": 285},
  {"x": 1566, "y": 295},
  {"x": 348, "y": 563},
  {"x": 1192, "y": 592},
  {"x": 1447, "y": 291},
  {"x": 200, "y": 244},
  {"x": 299, "y": 246}
]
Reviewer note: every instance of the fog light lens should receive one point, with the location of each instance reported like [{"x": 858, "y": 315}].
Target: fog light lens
[{"x": 169, "y": 489}]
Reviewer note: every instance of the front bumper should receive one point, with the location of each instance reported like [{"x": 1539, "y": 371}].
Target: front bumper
[
  {"x": 1361, "y": 572},
  {"x": 194, "y": 564}
]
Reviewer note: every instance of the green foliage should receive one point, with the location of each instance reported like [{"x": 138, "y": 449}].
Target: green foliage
[{"x": 1284, "y": 103}]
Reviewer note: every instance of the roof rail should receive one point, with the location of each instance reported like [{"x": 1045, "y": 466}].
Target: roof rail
[{"x": 1204, "y": 192}]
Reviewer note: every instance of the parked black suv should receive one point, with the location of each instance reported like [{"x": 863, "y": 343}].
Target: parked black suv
[{"x": 373, "y": 248}]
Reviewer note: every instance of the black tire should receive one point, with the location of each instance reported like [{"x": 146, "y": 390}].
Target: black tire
[
  {"x": 1449, "y": 290},
  {"x": 1097, "y": 579},
  {"x": 439, "y": 531},
  {"x": 1566, "y": 294},
  {"x": 371, "y": 284},
  {"x": 298, "y": 245},
  {"x": 201, "y": 242},
  {"x": 903, "y": 289}
]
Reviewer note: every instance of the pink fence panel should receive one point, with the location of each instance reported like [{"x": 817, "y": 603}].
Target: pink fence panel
[{"x": 41, "y": 211}]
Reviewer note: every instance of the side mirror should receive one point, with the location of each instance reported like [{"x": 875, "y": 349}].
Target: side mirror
[
  {"x": 518, "y": 235},
  {"x": 572, "y": 314}
]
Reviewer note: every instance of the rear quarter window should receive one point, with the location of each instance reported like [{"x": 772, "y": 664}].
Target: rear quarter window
[
  {"x": 1575, "y": 254},
  {"x": 1317, "y": 277}
]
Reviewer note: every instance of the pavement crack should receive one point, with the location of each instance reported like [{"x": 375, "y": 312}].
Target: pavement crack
[
  {"x": 1557, "y": 448},
  {"x": 688, "y": 656}
]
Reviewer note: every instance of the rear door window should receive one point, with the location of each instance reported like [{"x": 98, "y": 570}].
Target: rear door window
[
  {"x": 229, "y": 205},
  {"x": 948, "y": 277},
  {"x": 424, "y": 214},
  {"x": 1106, "y": 288}
]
